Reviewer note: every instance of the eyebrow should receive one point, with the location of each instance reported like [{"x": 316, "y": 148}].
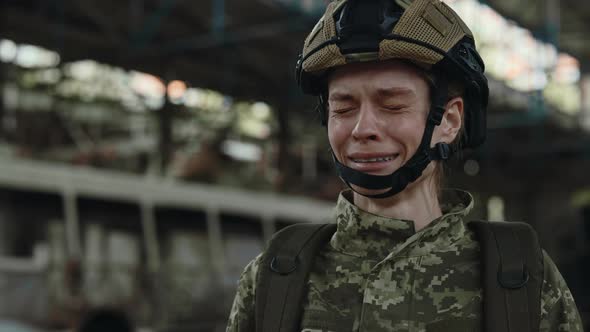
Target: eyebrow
[
  {"x": 340, "y": 96},
  {"x": 381, "y": 92},
  {"x": 395, "y": 92}
]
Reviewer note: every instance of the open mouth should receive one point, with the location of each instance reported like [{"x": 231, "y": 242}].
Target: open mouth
[{"x": 375, "y": 159}]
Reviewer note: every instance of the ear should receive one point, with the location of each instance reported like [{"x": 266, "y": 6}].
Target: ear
[{"x": 451, "y": 123}]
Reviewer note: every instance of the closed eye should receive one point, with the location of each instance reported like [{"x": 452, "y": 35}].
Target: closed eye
[
  {"x": 394, "y": 107},
  {"x": 342, "y": 110}
]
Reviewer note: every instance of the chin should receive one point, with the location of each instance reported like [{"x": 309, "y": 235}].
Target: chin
[
  {"x": 381, "y": 171},
  {"x": 368, "y": 192}
]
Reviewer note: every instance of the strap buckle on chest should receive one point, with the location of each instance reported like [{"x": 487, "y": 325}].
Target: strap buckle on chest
[
  {"x": 513, "y": 278},
  {"x": 283, "y": 265}
]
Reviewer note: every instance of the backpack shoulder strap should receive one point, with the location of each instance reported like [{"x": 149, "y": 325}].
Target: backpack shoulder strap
[
  {"x": 512, "y": 275},
  {"x": 282, "y": 276}
]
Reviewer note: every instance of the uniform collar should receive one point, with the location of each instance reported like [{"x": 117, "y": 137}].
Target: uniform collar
[{"x": 363, "y": 234}]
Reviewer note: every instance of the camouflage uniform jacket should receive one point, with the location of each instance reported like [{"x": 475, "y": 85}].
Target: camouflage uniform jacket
[{"x": 379, "y": 274}]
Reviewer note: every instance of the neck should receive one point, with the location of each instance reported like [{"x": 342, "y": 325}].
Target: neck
[{"x": 418, "y": 202}]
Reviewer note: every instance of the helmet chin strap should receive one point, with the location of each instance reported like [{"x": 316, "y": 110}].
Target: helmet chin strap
[{"x": 413, "y": 168}]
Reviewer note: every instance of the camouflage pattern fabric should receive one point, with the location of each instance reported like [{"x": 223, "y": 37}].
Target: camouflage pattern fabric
[{"x": 379, "y": 274}]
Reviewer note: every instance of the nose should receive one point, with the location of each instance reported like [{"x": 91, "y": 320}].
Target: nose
[{"x": 367, "y": 125}]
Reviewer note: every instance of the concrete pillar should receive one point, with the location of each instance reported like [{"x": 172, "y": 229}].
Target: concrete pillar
[
  {"x": 72, "y": 224},
  {"x": 309, "y": 164},
  {"x": 216, "y": 241},
  {"x": 150, "y": 237},
  {"x": 585, "y": 111}
]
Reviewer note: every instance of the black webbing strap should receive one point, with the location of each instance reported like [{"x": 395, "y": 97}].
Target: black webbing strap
[
  {"x": 282, "y": 277},
  {"x": 512, "y": 276}
]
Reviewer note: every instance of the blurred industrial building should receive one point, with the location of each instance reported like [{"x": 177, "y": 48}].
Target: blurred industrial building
[{"x": 149, "y": 148}]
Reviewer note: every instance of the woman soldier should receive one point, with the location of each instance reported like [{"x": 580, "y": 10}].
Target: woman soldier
[{"x": 402, "y": 88}]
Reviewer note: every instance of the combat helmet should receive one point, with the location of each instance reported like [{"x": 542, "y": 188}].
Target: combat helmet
[{"x": 427, "y": 33}]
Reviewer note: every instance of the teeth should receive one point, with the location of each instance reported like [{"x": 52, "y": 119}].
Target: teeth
[{"x": 373, "y": 160}]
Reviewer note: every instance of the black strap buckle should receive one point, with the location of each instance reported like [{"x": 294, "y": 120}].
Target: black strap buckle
[
  {"x": 283, "y": 265},
  {"x": 298, "y": 68},
  {"x": 513, "y": 279},
  {"x": 437, "y": 115},
  {"x": 443, "y": 150}
]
